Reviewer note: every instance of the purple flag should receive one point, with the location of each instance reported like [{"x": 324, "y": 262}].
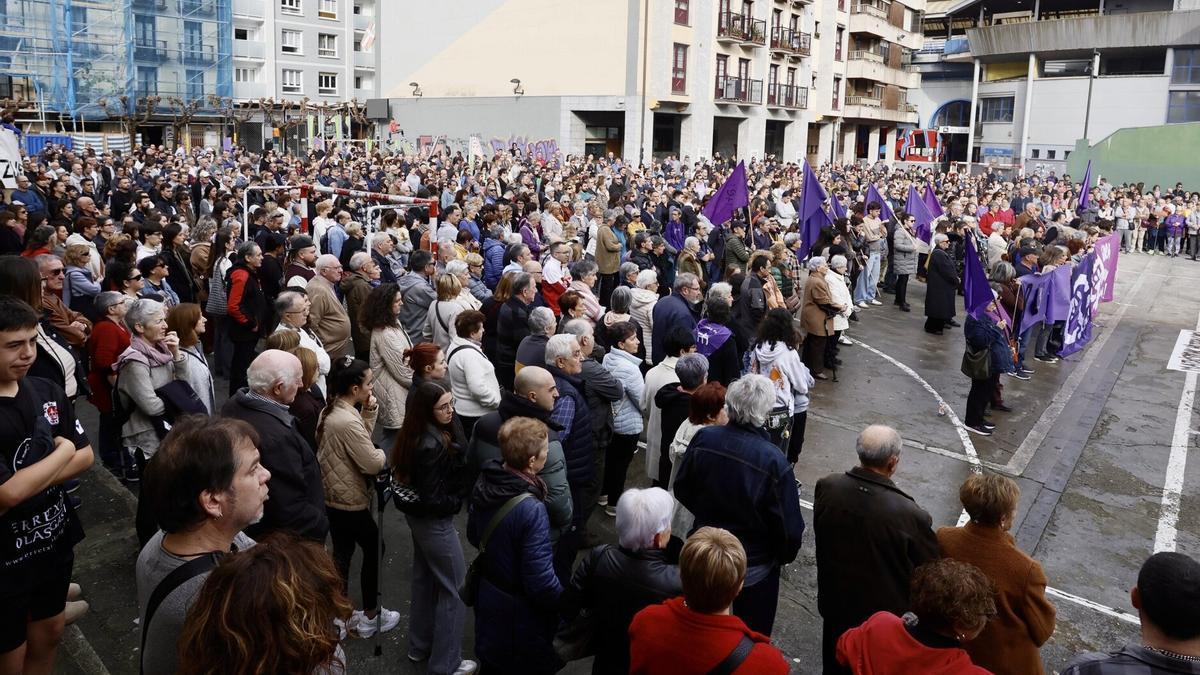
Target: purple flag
[
  {"x": 932, "y": 203},
  {"x": 1085, "y": 296},
  {"x": 1036, "y": 290},
  {"x": 874, "y": 196},
  {"x": 839, "y": 211},
  {"x": 976, "y": 291},
  {"x": 1058, "y": 297},
  {"x": 916, "y": 208},
  {"x": 812, "y": 216},
  {"x": 1107, "y": 249},
  {"x": 732, "y": 195},
  {"x": 1087, "y": 187}
]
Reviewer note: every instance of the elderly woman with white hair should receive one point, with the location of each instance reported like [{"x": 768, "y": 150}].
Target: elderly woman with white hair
[
  {"x": 584, "y": 276},
  {"x": 466, "y": 295},
  {"x": 152, "y": 360},
  {"x": 645, "y": 296},
  {"x": 942, "y": 283},
  {"x": 816, "y": 316},
  {"x": 839, "y": 288},
  {"x": 689, "y": 260},
  {"x": 616, "y": 582},
  {"x": 720, "y": 480}
]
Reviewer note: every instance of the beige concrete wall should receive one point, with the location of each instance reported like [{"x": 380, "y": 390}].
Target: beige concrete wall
[{"x": 555, "y": 47}]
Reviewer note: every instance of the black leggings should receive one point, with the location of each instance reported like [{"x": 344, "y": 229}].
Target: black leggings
[
  {"x": 796, "y": 443},
  {"x": 978, "y": 399},
  {"x": 616, "y": 464},
  {"x": 356, "y": 528},
  {"x": 901, "y": 289},
  {"x": 243, "y": 355}
]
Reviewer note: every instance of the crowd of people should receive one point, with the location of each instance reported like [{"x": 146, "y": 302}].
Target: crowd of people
[{"x": 509, "y": 361}]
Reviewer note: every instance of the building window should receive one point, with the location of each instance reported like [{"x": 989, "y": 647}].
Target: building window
[
  {"x": 327, "y": 9},
  {"x": 241, "y": 33},
  {"x": 841, "y": 5},
  {"x": 245, "y": 74},
  {"x": 358, "y": 82},
  {"x": 996, "y": 109},
  {"x": 1050, "y": 154},
  {"x": 292, "y": 81},
  {"x": 195, "y": 85},
  {"x": 358, "y": 40},
  {"x": 1036, "y": 154},
  {"x": 837, "y": 92},
  {"x": 327, "y": 84},
  {"x": 840, "y": 37},
  {"x": 327, "y": 45},
  {"x": 1187, "y": 67},
  {"x": 290, "y": 41},
  {"x": 679, "y": 69},
  {"x": 290, "y": 7},
  {"x": 1183, "y": 106},
  {"x": 682, "y": 9},
  {"x": 816, "y": 30},
  {"x": 147, "y": 81},
  {"x": 953, "y": 114}
]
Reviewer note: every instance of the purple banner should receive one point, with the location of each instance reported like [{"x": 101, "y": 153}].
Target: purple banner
[
  {"x": 1058, "y": 303},
  {"x": 1036, "y": 290},
  {"x": 1107, "y": 249},
  {"x": 1083, "y": 306},
  {"x": 977, "y": 294}
]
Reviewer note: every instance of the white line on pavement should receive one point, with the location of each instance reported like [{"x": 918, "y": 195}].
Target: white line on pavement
[
  {"x": 1168, "y": 514},
  {"x": 963, "y": 435},
  {"x": 1033, "y": 440}
]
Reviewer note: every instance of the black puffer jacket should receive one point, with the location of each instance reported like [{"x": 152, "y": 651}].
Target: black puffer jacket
[
  {"x": 440, "y": 475},
  {"x": 580, "y": 438},
  {"x": 618, "y": 583},
  {"x": 511, "y": 327}
]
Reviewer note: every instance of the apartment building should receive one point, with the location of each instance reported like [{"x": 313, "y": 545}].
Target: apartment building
[
  {"x": 1014, "y": 85},
  {"x": 291, "y": 50},
  {"x": 75, "y": 59}
]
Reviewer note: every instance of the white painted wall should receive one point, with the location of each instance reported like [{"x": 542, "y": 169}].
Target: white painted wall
[{"x": 934, "y": 94}]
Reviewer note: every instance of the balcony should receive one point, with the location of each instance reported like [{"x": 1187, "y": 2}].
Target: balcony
[
  {"x": 788, "y": 42},
  {"x": 871, "y": 108},
  {"x": 364, "y": 60},
  {"x": 251, "y": 90},
  {"x": 254, "y": 10},
  {"x": 150, "y": 50},
  {"x": 363, "y": 21},
  {"x": 1084, "y": 33},
  {"x": 738, "y": 90},
  {"x": 875, "y": 17},
  {"x": 787, "y": 96},
  {"x": 198, "y": 55},
  {"x": 158, "y": 5},
  {"x": 197, "y": 7},
  {"x": 872, "y": 65},
  {"x": 249, "y": 50},
  {"x": 733, "y": 27}
]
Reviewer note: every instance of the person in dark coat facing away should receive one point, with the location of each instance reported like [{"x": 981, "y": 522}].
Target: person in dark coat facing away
[
  {"x": 516, "y": 612},
  {"x": 617, "y": 582},
  {"x": 512, "y": 326},
  {"x": 564, "y": 360},
  {"x": 942, "y": 283},
  {"x": 734, "y": 478},
  {"x": 297, "y": 496},
  {"x": 870, "y": 537},
  {"x": 680, "y": 308}
]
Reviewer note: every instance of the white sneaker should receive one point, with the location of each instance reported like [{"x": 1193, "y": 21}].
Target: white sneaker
[
  {"x": 876, "y": 302},
  {"x": 466, "y": 668},
  {"x": 863, "y": 304},
  {"x": 366, "y": 627},
  {"x": 843, "y": 340}
]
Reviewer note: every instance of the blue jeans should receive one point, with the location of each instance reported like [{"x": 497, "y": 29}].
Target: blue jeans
[
  {"x": 868, "y": 280},
  {"x": 1023, "y": 341}
]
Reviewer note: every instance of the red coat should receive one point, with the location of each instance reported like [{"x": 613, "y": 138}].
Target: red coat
[
  {"x": 106, "y": 343},
  {"x": 883, "y": 646},
  {"x": 670, "y": 638}
]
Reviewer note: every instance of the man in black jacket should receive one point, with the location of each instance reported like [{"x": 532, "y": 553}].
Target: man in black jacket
[
  {"x": 870, "y": 538},
  {"x": 564, "y": 360},
  {"x": 297, "y": 498}
]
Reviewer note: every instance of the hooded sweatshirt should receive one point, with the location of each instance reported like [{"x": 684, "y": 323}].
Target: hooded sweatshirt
[{"x": 787, "y": 371}]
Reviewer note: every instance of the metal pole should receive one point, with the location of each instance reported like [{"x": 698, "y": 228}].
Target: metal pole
[
  {"x": 974, "y": 112},
  {"x": 1087, "y": 110},
  {"x": 1028, "y": 110}
]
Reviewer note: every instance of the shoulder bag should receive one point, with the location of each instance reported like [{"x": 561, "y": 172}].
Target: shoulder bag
[
  {"x": 977, "y": 363},
  {"x": 469, "y": 591}
]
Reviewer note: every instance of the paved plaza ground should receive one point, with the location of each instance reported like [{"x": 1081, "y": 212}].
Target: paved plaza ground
[{"x": 1090, "y": 443}]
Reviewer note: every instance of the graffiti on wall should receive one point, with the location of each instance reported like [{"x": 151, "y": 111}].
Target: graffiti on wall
[{"x": 545, "y": 149}]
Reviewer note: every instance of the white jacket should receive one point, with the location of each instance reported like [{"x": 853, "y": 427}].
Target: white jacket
[
  {"x": 794, "y": 379},
  {"x": 642, "y": 312},
  {"x": 841, "y": 296},
  {"x": 627, "y": 412},
  {"x": 472, "y": 379},
  {"x": 658, "y": 377},
  {"x": 439, "y": 322}
]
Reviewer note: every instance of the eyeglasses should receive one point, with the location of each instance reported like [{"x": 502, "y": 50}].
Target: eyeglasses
[
  {"x": 445, "y": 406},
  {"x": 56, "y": 272},
  {"x": 137, "y": 278}
]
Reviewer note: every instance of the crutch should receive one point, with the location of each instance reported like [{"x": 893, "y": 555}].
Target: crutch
[{"x": 383, "y": 492}]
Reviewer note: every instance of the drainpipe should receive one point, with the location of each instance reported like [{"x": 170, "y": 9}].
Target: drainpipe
[
  {"x": 645, "y": 99},
  {"x": 1028, "y": 110}
]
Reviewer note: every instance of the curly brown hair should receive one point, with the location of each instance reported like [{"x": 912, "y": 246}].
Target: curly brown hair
[
  {"x": 948, "y": 595},
  {"x": 267, "y": 609}
]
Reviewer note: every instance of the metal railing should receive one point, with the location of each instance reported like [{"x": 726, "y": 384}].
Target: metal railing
[
  {"x": 150, "y": 50},
  {"x": 150, "y": 4},
  {"x": 789, "y": 41},
  {"x": 867, "y": 55},
  {"x": 198, "y": 55},
  {"x": 787, "y": 96},
  {"x": 734, "y": 26},
  {"x": 738, "y": 90},
  {"x": 197, "y": 7}
]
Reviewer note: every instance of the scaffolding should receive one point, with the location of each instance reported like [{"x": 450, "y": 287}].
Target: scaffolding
[{"x": 78, "y": 58}]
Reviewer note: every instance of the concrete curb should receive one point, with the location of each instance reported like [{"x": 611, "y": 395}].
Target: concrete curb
[{"x": 80, "y": 651}]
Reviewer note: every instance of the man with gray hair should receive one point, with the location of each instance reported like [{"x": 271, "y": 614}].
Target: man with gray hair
[
  {"x": 532, "y": 350},
  {"x": 327, "y": 317},
  {"x": 892, "y": 536},
  {"x": 564, "y": 360},
  {"x": 680, "y": 308},
  {"x": 601, "y": 390},
  {"x": 734, "y": 478},
  {"x": 297, "y": 502}
]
